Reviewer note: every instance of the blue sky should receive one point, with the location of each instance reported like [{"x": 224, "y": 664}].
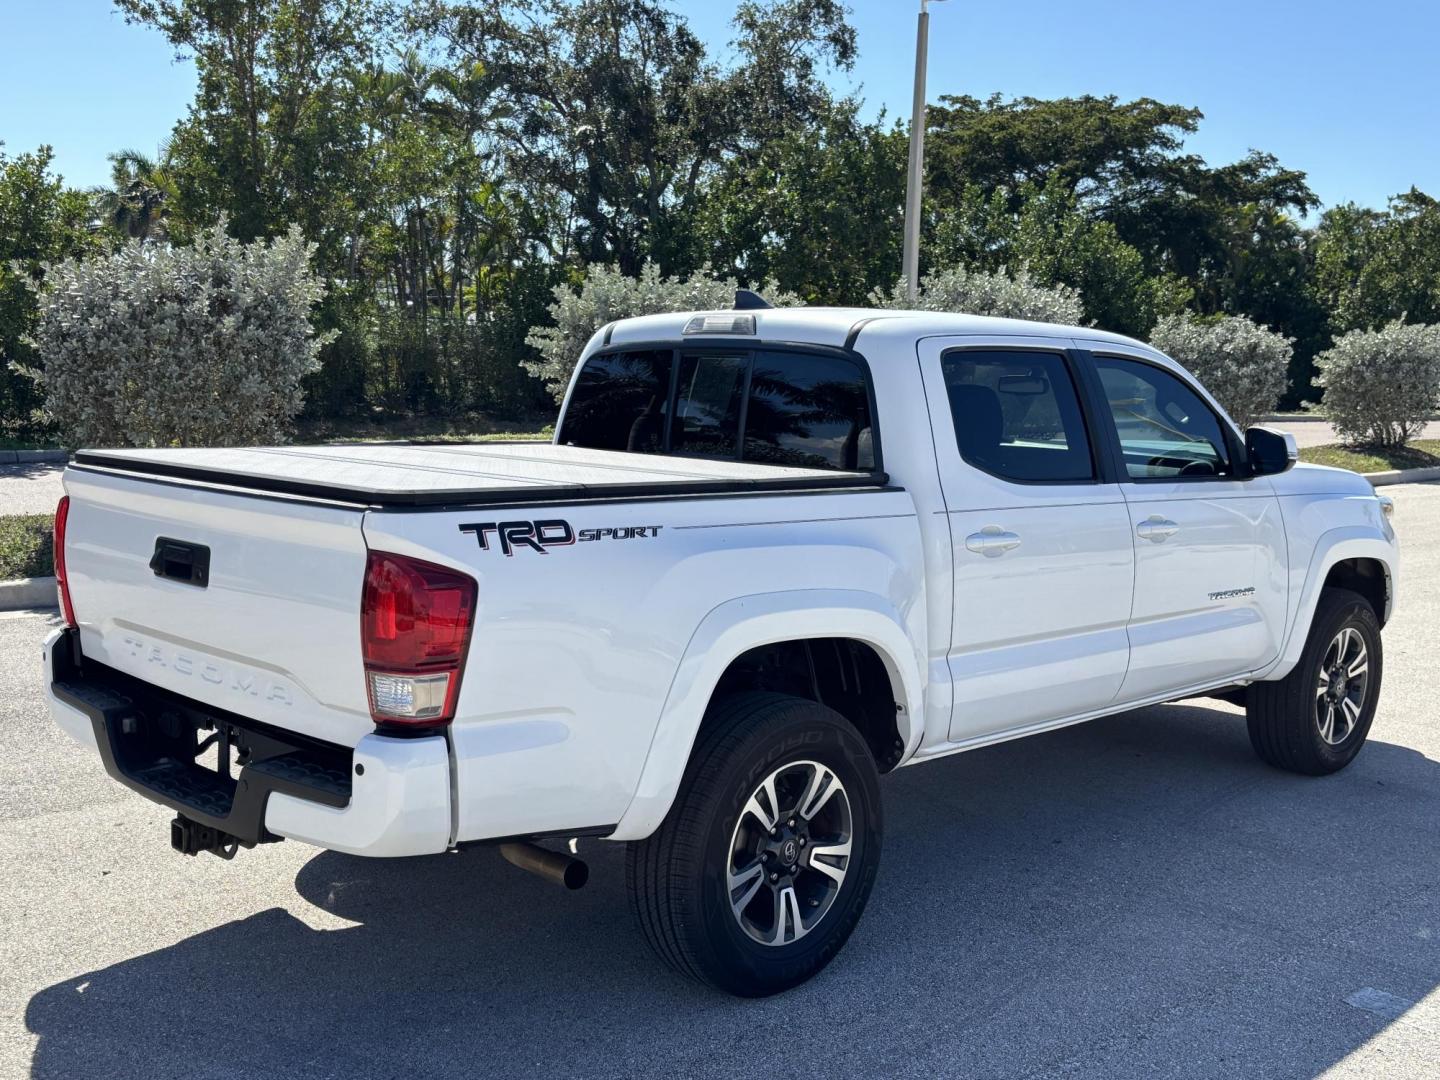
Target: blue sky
[{"x": 1350, "y": 93}]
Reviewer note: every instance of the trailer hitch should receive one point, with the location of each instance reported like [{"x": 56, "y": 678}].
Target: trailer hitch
[{"x": 190, "y": 838}]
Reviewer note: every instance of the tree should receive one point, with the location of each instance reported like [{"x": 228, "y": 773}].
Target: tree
[
  {"x": 1088, "y": 144},
  {"x": 191, "y": 346},
  {"x": 273, "y": 137},
  {"x": 1381, "y": 386},
  {"x": 1243, "y": 364},
  {"x": 818, "y": 210},
  {"x": 1223, "y": 239},
  {"x": 40, "y": 221},
  {"x": 1049, "y": 234},
  {"x": 134, "y": 204},
  {"x": 618, "y": 114},
  {"x": 1373, "y": 267}
]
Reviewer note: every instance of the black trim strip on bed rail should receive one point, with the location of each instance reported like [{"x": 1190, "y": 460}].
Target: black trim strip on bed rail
[{"x": 98, "y": 460}]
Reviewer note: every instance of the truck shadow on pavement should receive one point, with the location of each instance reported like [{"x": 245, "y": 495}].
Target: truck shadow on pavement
[{"x": 1137, "y": 896}]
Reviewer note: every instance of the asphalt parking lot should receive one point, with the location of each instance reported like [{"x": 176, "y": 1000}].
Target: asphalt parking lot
[{"x": 1136, "y": 897}]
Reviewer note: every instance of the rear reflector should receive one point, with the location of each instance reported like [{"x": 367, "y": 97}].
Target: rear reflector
[
  {"x": 415, "y": 621},
  {"x": 62, "y": 582}
]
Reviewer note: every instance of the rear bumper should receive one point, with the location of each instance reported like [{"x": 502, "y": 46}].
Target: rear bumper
[{"x": 386, "y": 797}]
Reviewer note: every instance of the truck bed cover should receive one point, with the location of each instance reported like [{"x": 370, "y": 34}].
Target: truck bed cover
[{"x": 478, "y": 474}]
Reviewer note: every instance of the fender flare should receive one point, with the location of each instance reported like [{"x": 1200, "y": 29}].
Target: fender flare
[
  {"x": 1333, "y": 547},
  {"x": 734, "y": 628}
]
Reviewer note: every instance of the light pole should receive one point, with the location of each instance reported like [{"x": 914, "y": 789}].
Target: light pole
[{"x": 914, "y": 186}]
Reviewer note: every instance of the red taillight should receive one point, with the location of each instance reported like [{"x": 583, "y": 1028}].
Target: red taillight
[
  {"x": 62, "y": 583},
  {"x": 415, "y": 620}
]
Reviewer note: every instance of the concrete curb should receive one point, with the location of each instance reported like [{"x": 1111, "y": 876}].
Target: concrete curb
[
  {"x": 31, "y": 457},
  {"x": 1403, "y": 476},
  {"x": 25, "y": 594}
]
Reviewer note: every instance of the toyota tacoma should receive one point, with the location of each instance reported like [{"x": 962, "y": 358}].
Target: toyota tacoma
[{"x": 770, "y": 556}]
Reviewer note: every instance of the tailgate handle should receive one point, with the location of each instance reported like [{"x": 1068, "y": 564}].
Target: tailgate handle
[{"x": 182, "y": 561}]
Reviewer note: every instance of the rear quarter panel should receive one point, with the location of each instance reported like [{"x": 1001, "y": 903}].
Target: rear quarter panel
[{"x": 575, "y": 649}]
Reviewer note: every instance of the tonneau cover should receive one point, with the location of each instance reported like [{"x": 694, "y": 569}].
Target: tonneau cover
[{"x": 495, "y": 473}]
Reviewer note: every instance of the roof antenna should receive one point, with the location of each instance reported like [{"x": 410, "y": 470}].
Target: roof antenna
[{"x": 748, "y": 300}]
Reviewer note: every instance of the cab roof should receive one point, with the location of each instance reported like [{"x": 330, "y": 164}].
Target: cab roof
[{"x": 833, "y": 326}]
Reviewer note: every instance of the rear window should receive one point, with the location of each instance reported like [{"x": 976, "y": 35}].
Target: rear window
[
  {"x": 779, "y": 407},
  {"x": 707, "y": 404},
  {"x": 810, "y": 412},
  {"x": 620, "y": 402}
]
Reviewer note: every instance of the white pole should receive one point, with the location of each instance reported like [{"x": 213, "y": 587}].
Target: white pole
[{"x": 915, "y": 183}]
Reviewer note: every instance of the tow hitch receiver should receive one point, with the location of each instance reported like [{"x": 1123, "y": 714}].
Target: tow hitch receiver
[{"x": 190, "y": 838}]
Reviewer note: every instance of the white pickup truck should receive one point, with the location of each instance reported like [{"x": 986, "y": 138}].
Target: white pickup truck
[{"x": 771, "y": 555}]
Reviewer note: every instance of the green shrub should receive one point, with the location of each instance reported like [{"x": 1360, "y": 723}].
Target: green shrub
[
  {"x": 195, "y": 346},
  {"x": 1381, "y": 385},
  {"x": 978, "y": 292},
  {"x": 27, "y": 546},
  {"x": 1243, "y": 364}
]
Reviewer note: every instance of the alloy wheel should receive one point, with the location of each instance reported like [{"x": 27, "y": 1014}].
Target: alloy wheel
[
  {"x": 1341, "y": 686},
  {"x": 789, "y": 853}
]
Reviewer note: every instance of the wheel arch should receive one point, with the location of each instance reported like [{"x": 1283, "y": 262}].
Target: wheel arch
[
  {"x": 736, "y": 629},
  {"x": 1352, "y": 557}
]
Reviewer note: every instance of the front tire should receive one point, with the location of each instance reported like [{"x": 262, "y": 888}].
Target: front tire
[
  {"x": 762, "y": 868},
  {"x": 1315, "y": 720}
]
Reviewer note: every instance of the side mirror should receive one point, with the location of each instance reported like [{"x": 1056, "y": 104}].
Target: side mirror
[{"x": 1270, "y": 451}]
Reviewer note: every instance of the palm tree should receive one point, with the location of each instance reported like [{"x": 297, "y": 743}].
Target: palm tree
[{"x": 134, "y": 203}]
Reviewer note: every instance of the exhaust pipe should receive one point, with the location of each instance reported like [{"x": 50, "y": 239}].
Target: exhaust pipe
[{"x": 564, "y": 870}]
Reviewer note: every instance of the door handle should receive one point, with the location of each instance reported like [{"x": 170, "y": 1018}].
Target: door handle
[
  {"x": 992, "y": 541},
  {"x": 1157, "y": 529}
]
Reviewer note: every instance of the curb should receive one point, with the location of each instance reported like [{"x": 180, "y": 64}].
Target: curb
[
  {"x": 1403, "y": 476},
  {"x": 31, "y": 457},
  {"x": 24, "y": 594}
]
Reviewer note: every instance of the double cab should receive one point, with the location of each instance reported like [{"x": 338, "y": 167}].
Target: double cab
[{"x": 770, "y": 556}]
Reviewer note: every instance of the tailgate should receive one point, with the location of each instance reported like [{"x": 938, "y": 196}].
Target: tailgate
[{"x": 270, "y": 631}]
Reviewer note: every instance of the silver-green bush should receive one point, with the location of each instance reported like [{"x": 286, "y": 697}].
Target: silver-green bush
[
  {"x": 977, "y": 292},
  {"x": 170, "y": 346},
  {"x": 606, "y": 295},
  {"x": 1381, "y": 385},
  {"x": 1239, "y": 361}
]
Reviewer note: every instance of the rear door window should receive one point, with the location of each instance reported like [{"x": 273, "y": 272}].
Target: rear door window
[
  {"x": 1017, "y": 415},
  {"x": 620, "y": 402},
  {"x": 810, "y": 412}
]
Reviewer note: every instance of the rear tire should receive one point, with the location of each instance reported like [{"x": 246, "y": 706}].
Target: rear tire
[
  {"x": 763, "y": 866},
  {"x": 1315, "y": 720}
]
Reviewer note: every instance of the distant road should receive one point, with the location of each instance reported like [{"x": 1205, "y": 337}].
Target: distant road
[
  {"x": 30, "y": 489},
  {"x": 1318, "y": 432}
]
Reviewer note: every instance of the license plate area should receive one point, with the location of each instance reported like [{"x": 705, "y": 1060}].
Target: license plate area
[{"x": 215, "y": 768}]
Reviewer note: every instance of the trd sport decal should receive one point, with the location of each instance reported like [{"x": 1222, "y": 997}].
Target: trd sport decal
[{"x": 540, "y": 535}]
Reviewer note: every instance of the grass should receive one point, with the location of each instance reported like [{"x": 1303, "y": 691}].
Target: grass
[
  {"x": 15, "y": 442},
  {"x": 1420, "y": 454},
  {"x": 25, "y": 546}
]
